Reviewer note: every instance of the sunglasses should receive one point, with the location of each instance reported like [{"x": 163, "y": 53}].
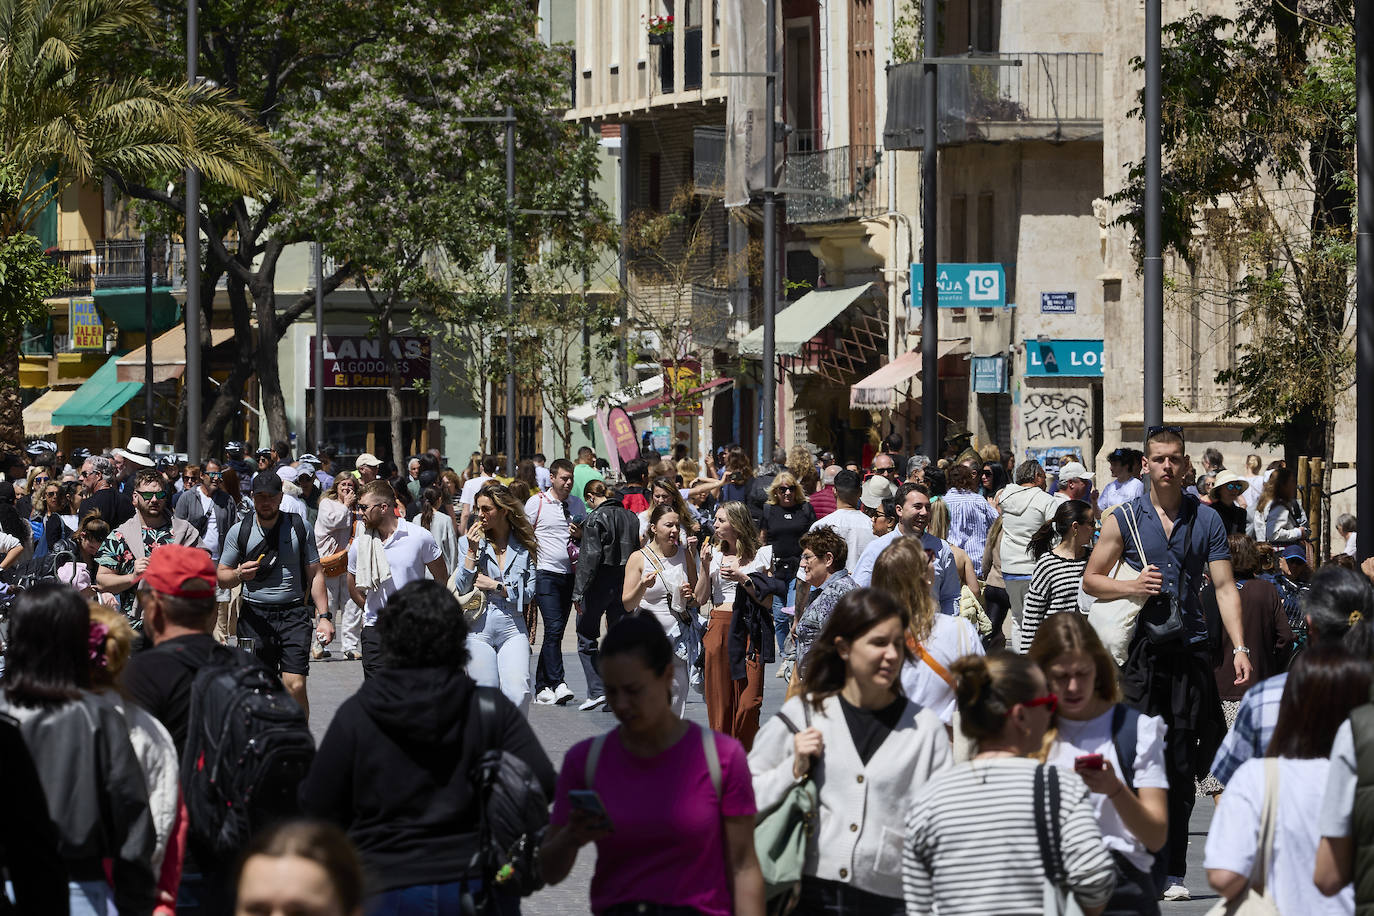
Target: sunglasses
[
  {"x": 214, "y": 475},
  {"x": 190, "y": 477},
  {"x": 1155, "y": 430},
  {"x": 1050, "y": 700},
  {"x": 150, "y": 495},
  {"x": 41, "y": 479}
]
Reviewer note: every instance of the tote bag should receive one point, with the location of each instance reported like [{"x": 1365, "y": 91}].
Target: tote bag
[{"x": 1115, "y": 619}]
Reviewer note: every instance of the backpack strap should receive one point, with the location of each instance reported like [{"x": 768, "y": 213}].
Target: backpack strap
[
  {"x": 1125, "y": 731},
  {"x": 593, "y": 757},
  {"x": 708, "y": 746},
  {"x": 486, "y": 715}
]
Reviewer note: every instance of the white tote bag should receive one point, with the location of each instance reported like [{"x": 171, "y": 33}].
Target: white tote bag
[
  {"x": 1114, "y": 619},
  {"x": 1255, "y": 900}
]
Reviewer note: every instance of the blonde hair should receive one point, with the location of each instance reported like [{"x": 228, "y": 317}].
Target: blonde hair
[
  {"x": 785, "y": 481},
  {"x": 118, "y": 645},
  {"x": 901, "y": 570},
  {"x": 990, "y": 452},
  {"x": 502, "y": 498},
  {"x": 746, "y": 534},
  {"x": 939, "y": 519}
]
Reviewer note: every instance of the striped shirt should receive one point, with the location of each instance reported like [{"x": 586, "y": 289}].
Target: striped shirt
[
  {"x": 970, "y": 519},
  {"x": 1053, "y": 589},
  {"x": 972, "y": 848}
]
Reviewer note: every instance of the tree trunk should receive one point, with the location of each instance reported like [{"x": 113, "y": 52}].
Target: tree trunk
[
  {"x": 11, "y": 407},
  {"x": 225, "y": 406},
  {"x": 393, "y": 388}
]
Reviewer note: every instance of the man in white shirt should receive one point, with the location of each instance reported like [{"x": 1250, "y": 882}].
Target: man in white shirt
[
  {"x": 212, "y": 512},
  {"x": 913, "y": 515},
  {"x": 468, "y": 497},
  {"x": 408, "y": 550},
  {"x": 541, "y": 473},
  {"x": 1125, "y": 484},
  {"x": 847, "y": 520},
  {"x": 553, "y": 514}
]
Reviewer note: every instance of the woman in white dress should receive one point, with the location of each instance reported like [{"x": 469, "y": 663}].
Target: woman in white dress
[{"x": 661, "y": 579}]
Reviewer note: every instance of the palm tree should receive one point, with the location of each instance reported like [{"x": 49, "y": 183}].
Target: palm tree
[{"x": 64, "y": 119}]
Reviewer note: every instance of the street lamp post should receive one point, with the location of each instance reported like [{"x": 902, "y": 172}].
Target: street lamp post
[
  {"x": 1364, "y": 277},
  {"x": 1153, "y": 263},
  {"x": 770, "y": 228},
  {"x": 192, "y": 242}
]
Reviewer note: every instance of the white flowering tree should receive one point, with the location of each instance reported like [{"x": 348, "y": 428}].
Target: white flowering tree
[{"x": 411, "y": 190}]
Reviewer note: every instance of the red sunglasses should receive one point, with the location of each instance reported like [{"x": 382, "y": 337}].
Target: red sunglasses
[{"x": 1051, "y": 700}]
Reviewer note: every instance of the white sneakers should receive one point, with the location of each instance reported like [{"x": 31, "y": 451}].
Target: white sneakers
[
  {"x": 592, "y": 703},
  {"x": 1175, "y": 890},
  {"x": 555, "y": 696}
]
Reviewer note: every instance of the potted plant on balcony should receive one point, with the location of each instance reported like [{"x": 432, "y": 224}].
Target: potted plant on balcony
[{"x": 660, "y": 30}]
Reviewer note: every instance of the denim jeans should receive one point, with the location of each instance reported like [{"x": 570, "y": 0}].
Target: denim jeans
[
  {"x": 553, "y": 594},
  {"x": 499, "y": 655},
  {"x": 602, "y": 598},
  {"x": 834, "y": 898},
  {"x": 437, "y": 900},
  {"x": 782, "y": 622}
]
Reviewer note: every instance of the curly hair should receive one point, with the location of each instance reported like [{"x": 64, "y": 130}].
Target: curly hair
[{"x": 504, "y": 500}]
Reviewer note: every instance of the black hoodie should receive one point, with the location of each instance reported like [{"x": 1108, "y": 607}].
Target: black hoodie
[{"x": 393, "y": 771}]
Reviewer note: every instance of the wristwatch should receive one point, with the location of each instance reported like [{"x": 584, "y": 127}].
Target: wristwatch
[
  {"x": 327, "y": 615},
  {"x": 1239, "y": 649}
]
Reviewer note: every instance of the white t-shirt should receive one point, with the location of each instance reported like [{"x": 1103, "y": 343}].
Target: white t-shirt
[
  {"x": 723, "y": 589},
  {"x": 1338, "y": 803},
  {"x": 1233, "y": 840},
  {"x": 469, "y": 495},
  {"x": 852, "y": 525},
  {"x": 408, "y": 551},
  {"x": 950, "y": 638},
  {"x": 210, "y": 539},
  {"x": 7, "y": 543},
  {"x": 1094, "y": 736},
  {"x": 550, "y": 519}
]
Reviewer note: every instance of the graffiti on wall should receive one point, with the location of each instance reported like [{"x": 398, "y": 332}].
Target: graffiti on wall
[{"x": 1056, "y": 415}]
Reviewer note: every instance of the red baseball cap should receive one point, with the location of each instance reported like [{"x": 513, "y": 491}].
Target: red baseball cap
[{"x": 180, "y": 571}]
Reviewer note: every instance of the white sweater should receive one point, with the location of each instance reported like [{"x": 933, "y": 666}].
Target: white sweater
[
  {"x": 1024, "y": 510},
  {"x": 863, "y": 809}
]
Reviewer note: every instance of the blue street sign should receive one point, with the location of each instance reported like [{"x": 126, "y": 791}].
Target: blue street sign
[
  {"x": 989, "y": 374},
  {"x": 964, "y": 286},
  {"x": 1064, "y": 358},
  {"x": 1058, "y": 303}
]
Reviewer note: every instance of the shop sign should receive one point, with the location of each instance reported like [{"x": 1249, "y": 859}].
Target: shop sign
[
  {"x": 84, "y": 324},
  {"x": 1058, "y": 303},
  {"x": 357, "y": 361},
  {"x": 963, "y": 286},
  {"x": 1064, "y": 358},
  {"x": 990, "y": 374},
  {"x": 1052, "y": 457},
  {"x": 662, "y": 439},
  {"x": 623, "y": 438}
]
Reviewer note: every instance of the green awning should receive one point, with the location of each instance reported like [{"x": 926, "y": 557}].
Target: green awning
[
  {"x": 803, "y": 320},
  {"x": 124, "y": 305},
  {"x": 95, "y": 402}
]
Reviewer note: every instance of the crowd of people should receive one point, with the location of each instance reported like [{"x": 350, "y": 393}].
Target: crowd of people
[{"x": 1006, "y": 687}]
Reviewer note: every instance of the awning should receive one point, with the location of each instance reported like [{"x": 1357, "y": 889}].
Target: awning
[
  {"x": 38, "y": 415},
  {"x": 124, "y": 304},
  {"x": 879, "y": 390},
  {"x": 587, "y": 409},
  {"x": 95, "y": 402},
  {"x": 803, "y": 320},
  {"x": 713, "y": 387},
  {"x": 169, "y": 355}
]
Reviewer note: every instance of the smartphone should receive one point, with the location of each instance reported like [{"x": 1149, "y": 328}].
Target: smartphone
[
  {"x": 587, "y": 800},
  {"x": 1089, "y": 762}
]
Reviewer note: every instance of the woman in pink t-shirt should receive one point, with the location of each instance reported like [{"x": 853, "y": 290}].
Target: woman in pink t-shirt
[{"x": 672, "y": 814}]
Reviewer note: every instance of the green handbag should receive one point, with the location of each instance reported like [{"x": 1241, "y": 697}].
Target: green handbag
[{"x": 781, "y": 834}]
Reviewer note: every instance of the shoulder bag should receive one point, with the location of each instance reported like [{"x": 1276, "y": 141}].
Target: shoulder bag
[
  {"x": 1255, "y": 899},
  {"x": 782, "y": 832},
  {"x": 1161, "y": 617},
  {"x": 1114, "y": 619},
  {"x": 683, "y": 614},
  {"x": 336, "y": 564},
  {"x": 1057, "y": 900},
  {"x": 474, "y": 600}
]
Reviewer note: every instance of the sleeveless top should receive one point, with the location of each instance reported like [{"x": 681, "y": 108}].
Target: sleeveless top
[{"x": 672, "y": 575}]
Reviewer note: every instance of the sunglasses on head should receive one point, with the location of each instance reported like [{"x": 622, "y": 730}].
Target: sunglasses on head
[
  {"x": 1155, "y": 430},
  {"x": 1050, "y": 700}
]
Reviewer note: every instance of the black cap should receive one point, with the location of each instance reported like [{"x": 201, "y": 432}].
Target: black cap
[{"x": 268, "y": 483}]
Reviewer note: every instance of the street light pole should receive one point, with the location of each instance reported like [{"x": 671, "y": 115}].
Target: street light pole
[
  {"x": 192, "y": 242},
  {"x": 1153, "y": 213},
  {"x": 1364, "y": 277},
  {"x": 319, "y": 347},
  {"x": 930, "y": 201},
  {"x": 148, "y": 432},
  {"x": 511, "y": 432},
  {"x": 770, "y": 253}
]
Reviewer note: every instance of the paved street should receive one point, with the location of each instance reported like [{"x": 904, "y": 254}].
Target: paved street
[{"x": 559, "y": 728}]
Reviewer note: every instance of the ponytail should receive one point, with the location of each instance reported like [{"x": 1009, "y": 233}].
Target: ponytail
[{"x": 1041, "y": 540}]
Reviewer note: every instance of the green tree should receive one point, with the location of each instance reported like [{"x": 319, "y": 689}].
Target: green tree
[
  {"x": 414, "y": 195},
  {"x": 1259, "y": 113},
  {"x": 65, "y": 118}
]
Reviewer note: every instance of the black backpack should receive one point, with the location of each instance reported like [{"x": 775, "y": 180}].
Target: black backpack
[
  {"x": 513, "y": 812},
  {"x": 37, "y": 570},
  {"x": 248, "y": 746}
]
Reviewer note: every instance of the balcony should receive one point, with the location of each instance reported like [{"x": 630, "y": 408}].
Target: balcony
[
  {"x": 1056, "y": 97},
  {"x": 831, "y": 185}
]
